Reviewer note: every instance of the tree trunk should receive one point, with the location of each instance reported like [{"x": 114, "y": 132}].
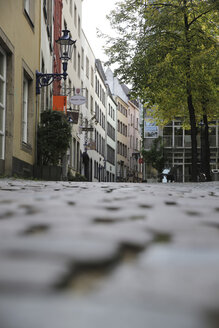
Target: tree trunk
[
  {"x": 194, "y": 171},
  {"x": 191, "y": 109},
  {"x": 205, "y": 160}
]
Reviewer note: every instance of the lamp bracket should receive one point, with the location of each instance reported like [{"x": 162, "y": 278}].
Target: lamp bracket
[{"x": 43, "y": 79}]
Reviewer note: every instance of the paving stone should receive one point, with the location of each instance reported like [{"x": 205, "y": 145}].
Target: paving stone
[
  {"x": 184, "y": 274},
  {"x": 66, "y": 312},
  {"x": 78, "y": 249},
  {"x": 30, "y": 274},
  {"x": 123, "y": 255}
]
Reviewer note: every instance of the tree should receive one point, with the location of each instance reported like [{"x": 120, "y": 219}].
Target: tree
[
  {"x": 207, "y": 101},
  {"x": 155, "y": 156},
  {"x": 160, "y": 47},
  {"x": 54, "y": 134}
]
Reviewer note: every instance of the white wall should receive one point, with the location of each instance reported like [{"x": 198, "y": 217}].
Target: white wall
[{"x": 46, "y": 53}]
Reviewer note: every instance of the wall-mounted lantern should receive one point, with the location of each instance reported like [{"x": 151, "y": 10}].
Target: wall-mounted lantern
[{"x": 65, "y": 48}]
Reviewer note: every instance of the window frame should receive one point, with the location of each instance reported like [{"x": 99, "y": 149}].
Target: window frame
[
  {"x": 29, "y": 11},
  {"x": 25, "y": 105}
]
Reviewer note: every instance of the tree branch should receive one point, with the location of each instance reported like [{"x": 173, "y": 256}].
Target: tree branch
[
  {"x": 156, "y": 5},
  {"x": 196, "y": 18}
]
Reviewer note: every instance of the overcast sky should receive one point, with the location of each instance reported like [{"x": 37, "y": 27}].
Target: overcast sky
[{"x": 94, "y": 16}]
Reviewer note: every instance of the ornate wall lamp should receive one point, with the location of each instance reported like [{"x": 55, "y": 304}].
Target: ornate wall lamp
[{"x": 65, "y": 47}]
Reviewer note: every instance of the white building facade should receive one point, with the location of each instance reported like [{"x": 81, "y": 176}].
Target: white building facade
[
  {"x": 46, "y": 51},
  {"x": 87, "y": 120},
  {"x": 71, "y": 20}
]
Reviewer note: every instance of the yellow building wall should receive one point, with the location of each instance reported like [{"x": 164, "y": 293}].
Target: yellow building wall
[{"x": 25, "y": 40}]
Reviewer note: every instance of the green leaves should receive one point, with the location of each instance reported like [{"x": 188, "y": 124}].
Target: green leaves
[
  {"x": 155, "y": 156},
  {"x": 153, "y": 47},
  {"x": 164, "y": 50},
  {"x": 54, "y": 134}
]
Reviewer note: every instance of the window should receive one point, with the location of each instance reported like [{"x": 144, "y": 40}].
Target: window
[
  {"x": 95, "y": 84},
  {"x": 86, "y": 97},
  {"x": 103, "y": 146},
  {"x": 92, "y": 76},
  {"x": 87, "y": 67},
  {"x": 79, "y": 65},
  {"x": 212, "y": 136},
  {"x": 97, "y": 142},
  {"x": 70, "y": 88},
  {"x": 48, "y": 17},
  {"x": 2, "y": 101},
  {"x": 82, "y": 58},
  {"x": 125, "y": 150},
  {"x": 27, "y": 115},
  {"x": 91, "y": 104},
  {"x": 29, "y": 6},
  {"x": 110, "y": 131},
  {"x": 79, "y": 26},
  {"x": 71, "y": 7},
  {"x": 25, "y": 110},
  {"x": 136, "y": 143},
  {"x": 75, "y": 16},
  {"x": 98, "y": 88},
  {"x": 95, "y": 170},
  {"x": 74, "y": 56},
  {"x": 74, "y": 151},
  {"x": 100, "y": 117},
  {"x": 103, "y": 97},
  {"x": 178, "y": 136},
  {"x": 104, "y": 119},
  {"x": 78, "y": 156},
  {"x": 110, "y": 155}
]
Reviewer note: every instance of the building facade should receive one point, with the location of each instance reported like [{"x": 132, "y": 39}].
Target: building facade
[
  {"x": 19, "y": 59},
  {"x": 177, "y": 149},
  {"x": 71, "y": 20},
  {"x": 104, "y": 129},
  {"x": 87, "y": 111},
  {"x": 134, "y": 138},
  {"x": 111, "y": 137},
  {"x": 47, "y": 51},
  {"x": 100, "y": 119}
]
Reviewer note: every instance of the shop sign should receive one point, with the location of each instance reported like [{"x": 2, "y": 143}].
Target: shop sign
[{"x": 78, "y": 100}]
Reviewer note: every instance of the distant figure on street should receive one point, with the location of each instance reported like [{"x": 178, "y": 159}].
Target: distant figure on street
[{"x": 171, "y": 175}]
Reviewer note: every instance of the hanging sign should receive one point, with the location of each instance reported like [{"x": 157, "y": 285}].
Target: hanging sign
[
  {"x": 59, "y": 103},
  {"x": 77, "y": 100},
  {"x": 87, "y": 129},
  {"x": 150, "y": 130}
]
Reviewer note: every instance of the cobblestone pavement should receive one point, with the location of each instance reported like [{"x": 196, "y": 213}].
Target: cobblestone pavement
[{"x": 101, "y": 255}]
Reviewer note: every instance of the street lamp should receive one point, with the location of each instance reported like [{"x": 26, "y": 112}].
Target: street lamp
[{"x": 65, "y": 48}]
